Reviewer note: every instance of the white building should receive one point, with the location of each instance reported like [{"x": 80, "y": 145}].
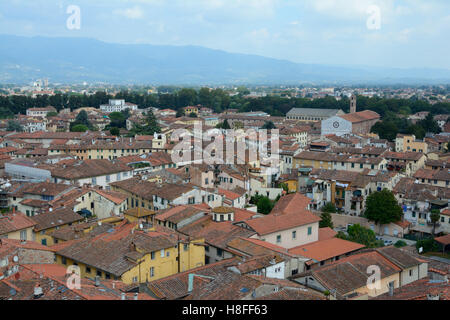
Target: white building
[{"x": 118, "y": 105}]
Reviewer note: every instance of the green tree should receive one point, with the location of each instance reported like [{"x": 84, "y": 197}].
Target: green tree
[
  {"x": 79, "y": 128},
  {"x": 193, "y": 115},
  {"x": 435, "y": 215},
  {"x": 149, "y": 128},
  {"x": 326, "y": 221},
  {"x": 386, "y": 130},
  {"x": 429, "y": 124},
  {"x": 52, "y": 114},
  {"x": 268, "y": 125},
  {"x": 264, "y": 205},
  {"x": 362, "y": 235},
  {"x": 114, "y": 131},
  {"x": 400, "y": 243},
  {"x": 81, "y": 119},
  {"x": 180, "y": 113},
  {"x": 329, "y": 208},
  {"x": 14, "y": 126},
  {"x": 383, "y": 208},
  {"x": 224, "y": 125}
]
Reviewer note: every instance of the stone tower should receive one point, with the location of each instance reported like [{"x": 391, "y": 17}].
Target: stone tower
[{"x": 353, "y": 103}]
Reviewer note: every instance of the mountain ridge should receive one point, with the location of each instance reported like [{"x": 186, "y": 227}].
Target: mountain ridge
[{"x": 72, "y": 60}]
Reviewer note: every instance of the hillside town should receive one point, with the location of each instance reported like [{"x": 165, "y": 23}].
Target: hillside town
[{"x": 123, "y": 202}]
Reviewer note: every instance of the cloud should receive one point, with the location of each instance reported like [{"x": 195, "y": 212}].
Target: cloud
[{"x": 130, "y": 13}]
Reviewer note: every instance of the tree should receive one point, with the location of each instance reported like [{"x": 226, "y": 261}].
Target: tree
[
  {"x": 114, "y": 131},
  {"x": 81, "y": 119},
  {"x": 429, "y": 124},
  {"x": 193, "y": 115},
  {"x": 79, "y": 128},
  {"x": 326, "y": 221},
  {"x": 14, "y": 126},
  {"x": 383, "y": 208},
  {"x": 224, "y": 125},
  {"x": 268, "y": 125},
  {"x": 52, "y": 114},
  {"x": 435, "y": 215},
  {"x": 180, "y": 113},
  {"x": 264, "y": 205},
  {"x": 362, "y": 235},
  {"x": 329, "y": 208},
  {"x": 386, "y": 130},
  {"x": 400, "y": 243},
  {"x": 149, "y": 128}
]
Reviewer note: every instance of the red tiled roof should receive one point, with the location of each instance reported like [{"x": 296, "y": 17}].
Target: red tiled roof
[
  {"x": 14, "y": 222},
  {"x": 326, "y": 233},
  {"x": 291, "y": 203},
  {"x": 361, "y": 116},
  {"x": 326, "y": 249},
  {"x": 274, "y": 222}
]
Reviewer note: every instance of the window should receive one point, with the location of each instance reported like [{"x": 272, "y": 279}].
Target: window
[
  {"x": 88, "y": 270},
  {"x": 185, "y": 247},
  {"x": 152, "y": 272},
  {"x": 63, "y": 260},
  {"x": 168, "y": 254},
  {"x": 23, "y": 235},
  {"x": 206, "y": 248},
  {"x": 294, "y": 234},
  {"x": 309, "y": 231},
  {"x": 279, "y": 238},
  {"x": 410, "y": 273},
  {"x": 108, "y": 178},
  {"x": 162, "y": 253},
  {"x": 206, "y": 181},
  {"x": 219, "y": 252},
  {"x": 152, "y": 255},
  {"x": 99, "y": 273},
  {"x": 94, "y": 181}
]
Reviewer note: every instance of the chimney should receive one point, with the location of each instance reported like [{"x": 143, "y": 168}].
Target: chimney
[
  {"x": 38, "y": 291},
  {"x": 97, "y": 281},
  {"x": 433, "y": 297}
]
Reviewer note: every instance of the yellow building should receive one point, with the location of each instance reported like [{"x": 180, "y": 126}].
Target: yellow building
[
  {"x": 133, "y": 256},
  {"x": 139, "y": 192},
  {"x": 291, "y": 180},
  {"x": 47, "y": 223},
  {"x": 409, "y": 143},
  {"x": 16, "y": 226},
  {"x": 190, "y": 109},
  {"x": 316, "y": 160},
  {"x": 139, "y": 214}
]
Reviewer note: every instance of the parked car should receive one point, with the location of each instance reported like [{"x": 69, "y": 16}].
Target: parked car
[{"x": 388, "y": 242}]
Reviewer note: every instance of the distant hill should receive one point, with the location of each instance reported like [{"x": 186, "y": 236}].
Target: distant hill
[{"x": 74, "y": 60}]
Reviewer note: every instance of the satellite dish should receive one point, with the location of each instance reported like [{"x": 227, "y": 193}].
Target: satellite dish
[{"x": 16, "y": 259}]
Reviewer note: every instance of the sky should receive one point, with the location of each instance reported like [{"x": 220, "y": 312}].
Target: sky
[{"x": 386, "y": 33}]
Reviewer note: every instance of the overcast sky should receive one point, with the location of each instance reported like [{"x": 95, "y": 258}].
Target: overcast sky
[{"x": 411, "y": 33}]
